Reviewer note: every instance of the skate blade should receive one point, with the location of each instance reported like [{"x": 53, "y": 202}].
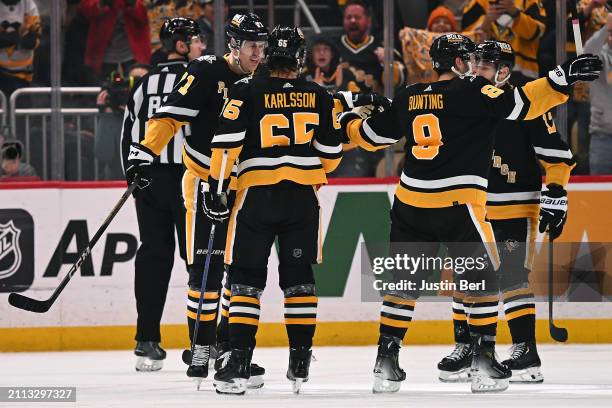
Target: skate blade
[
  {"x": 145, "y": 364},
  {"x": 531, "y": 375},
  {"x": 462, "y": 376},
  {"x": 198, "y": 382},
  {"x": 482, "y": 384},
  {"x": 255, "y": 382},
  {"x": 382, "y": 385},
  {"x": 237, "y": 386}
]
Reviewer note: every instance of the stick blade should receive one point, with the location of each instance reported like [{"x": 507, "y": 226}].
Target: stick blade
[
  {"x": 25, "y": 303},
  {"x": 558, "y": 333}
]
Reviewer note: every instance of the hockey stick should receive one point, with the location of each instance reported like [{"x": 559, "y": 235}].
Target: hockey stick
[
  {"x": 42, "y": 306},
  {"x": 557, "y": 333},
  {"x": 211, "y": 238}
]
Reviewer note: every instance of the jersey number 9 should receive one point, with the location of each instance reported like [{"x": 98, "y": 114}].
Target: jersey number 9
[{"x": 428, "y": 142}]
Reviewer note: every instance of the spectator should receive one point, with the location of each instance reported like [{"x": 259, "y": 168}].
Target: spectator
[
  {"x": 323, "y": 67},
  {"x": 361, "y": 51},
  {"x": 192, "y": 9},
  {"x": 20, "y": 31},
  {"x": 12, "y": 166},
  {"x": 118, "y": 35},
  {"x": 111, "y": 102},
  {"x": 601, "y": 102},
  {"x": 207, "y": 23},
  {"x": 158, "y": 11},
  {"x": 518, "y": 22}
]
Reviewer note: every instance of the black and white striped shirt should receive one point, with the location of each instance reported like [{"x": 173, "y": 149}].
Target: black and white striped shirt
[{"x": 147, "y": 96}]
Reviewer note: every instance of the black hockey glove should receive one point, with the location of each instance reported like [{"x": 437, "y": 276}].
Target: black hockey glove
[
  {"x": 344, "y": 120},
  {"x": 585, "y": 67},
  {"x": 215, "y": 205},
  {"x": 139, "y": 164},
  {"x": 553, "y": 210}
]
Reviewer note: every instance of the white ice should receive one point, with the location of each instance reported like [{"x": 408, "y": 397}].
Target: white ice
[{"x": 575, "y": 376}]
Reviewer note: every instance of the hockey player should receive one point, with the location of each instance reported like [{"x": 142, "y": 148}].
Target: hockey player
[
  {"x": 158, "y": 208},
  {"x": 441, "y": 197},
  {"x": 197, "y": 101},
  {"x": 286, "y": 136},
  {"x": 513, "y": 206}
]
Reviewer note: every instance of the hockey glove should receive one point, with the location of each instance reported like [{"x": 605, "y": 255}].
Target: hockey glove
[
  {"x": 139, "y": 164},
  {"x": 553, "y": 210},
  {"x": 215, "y": 205},
  {"x": 585, "y": 67},
  {"x": 344, "y": 120}
]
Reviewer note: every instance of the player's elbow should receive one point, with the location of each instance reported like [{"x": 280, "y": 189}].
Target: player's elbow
[{"x": 330, "y": 165}]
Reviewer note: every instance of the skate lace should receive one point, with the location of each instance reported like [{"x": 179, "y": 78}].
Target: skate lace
[
  {"x": 200, "y": 355},
  {"x": 517, "y": 350},
  {"x": 460, "y": 351}
]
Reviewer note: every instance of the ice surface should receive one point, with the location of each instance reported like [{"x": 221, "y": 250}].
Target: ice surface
[{"x": 575, "y": 376}]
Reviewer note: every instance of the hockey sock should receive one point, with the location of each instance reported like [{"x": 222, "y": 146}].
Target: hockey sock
[
  {"x": 460, "y": 324},
  {"x": 244, "y": 315},
  {"x": 482, "y": 315},
  {"x": 395, "y": 316},
  {"x": 223, "y": 326},
  {"x": 208, "y": 316},
  {"x": 300, "y": 314},
  {"x": 519, "y": 308}
]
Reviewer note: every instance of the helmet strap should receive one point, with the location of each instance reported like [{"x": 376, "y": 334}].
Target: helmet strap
[
  {"x": 469, "y": 72},
  {"x": 235, "y": 58},
  {"x": 499, "y": 83}
]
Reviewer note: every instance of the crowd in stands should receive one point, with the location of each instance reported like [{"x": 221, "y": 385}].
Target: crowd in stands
[{"x": 106, "y": 39}]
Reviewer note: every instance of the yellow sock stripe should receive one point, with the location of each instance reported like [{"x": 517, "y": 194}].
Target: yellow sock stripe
[
  {"x": 203, "y": 317},
  {"x": 398, "y": 300},
  {"x": 516, "y": 292},
  {"x": 519, "y": 313},
  {"x": 299, "y": 320},
  {"x": 245, "y": 299},
  {"x": 207, "y": 295},
  {"x": 459, "y": 316},
  {"x": 244, "y": 320},
  {"x": 481, "y": 299},
  {"x": 476, "y": 321},
  {"x": 227, "y": 292},
  {"x": 224, "y": 312},
  {"x": 302, "y": 299},
  {"x": 394, "y": 323}
]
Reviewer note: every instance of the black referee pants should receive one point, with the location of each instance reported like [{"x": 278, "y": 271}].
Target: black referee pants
[{"x": 161, "y": 215}]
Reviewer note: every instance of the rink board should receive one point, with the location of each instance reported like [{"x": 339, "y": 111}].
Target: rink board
[{"x": 97, "y": 310}]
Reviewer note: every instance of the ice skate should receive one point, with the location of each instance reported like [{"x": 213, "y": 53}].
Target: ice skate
[
  {"x": 299, "y": 365},
  {"x": 198, "y": 368},
  {"x": 524, "y": 363},
  {"x": 388, "y": 375},
  {"x": 233, "y": 376},
  {"x": 257, "y": 372},
  {"x": 457, "y": 366},
  {"x": 150, "y": 356},
  {"x": 488, "y": 375}
]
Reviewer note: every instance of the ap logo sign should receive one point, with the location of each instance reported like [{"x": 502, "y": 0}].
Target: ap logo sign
[{"x": 16, "y": 250}]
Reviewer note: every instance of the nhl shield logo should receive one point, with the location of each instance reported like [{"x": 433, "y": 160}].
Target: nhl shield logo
[{"x": 10, "y": 252}]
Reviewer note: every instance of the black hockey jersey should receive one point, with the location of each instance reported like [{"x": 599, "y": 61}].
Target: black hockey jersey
[
  {"x": 147, "y": 96},
  {"x": 515, "y": 179},
  {"x": 198, "y": 100},
  {"x": 279, "y": 129},
  {"x": 449, "y": 127},
  {"x": 361, "y": 60}
]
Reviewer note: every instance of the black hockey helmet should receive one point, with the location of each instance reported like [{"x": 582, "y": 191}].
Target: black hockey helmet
[
  {"x": 496, "y": 52},
  {"x": 447, "y": 47},
  {"x": 288, "y": 44},
  {"x": 245, "y": 27},
  {"x": 178, "y": 29}
]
